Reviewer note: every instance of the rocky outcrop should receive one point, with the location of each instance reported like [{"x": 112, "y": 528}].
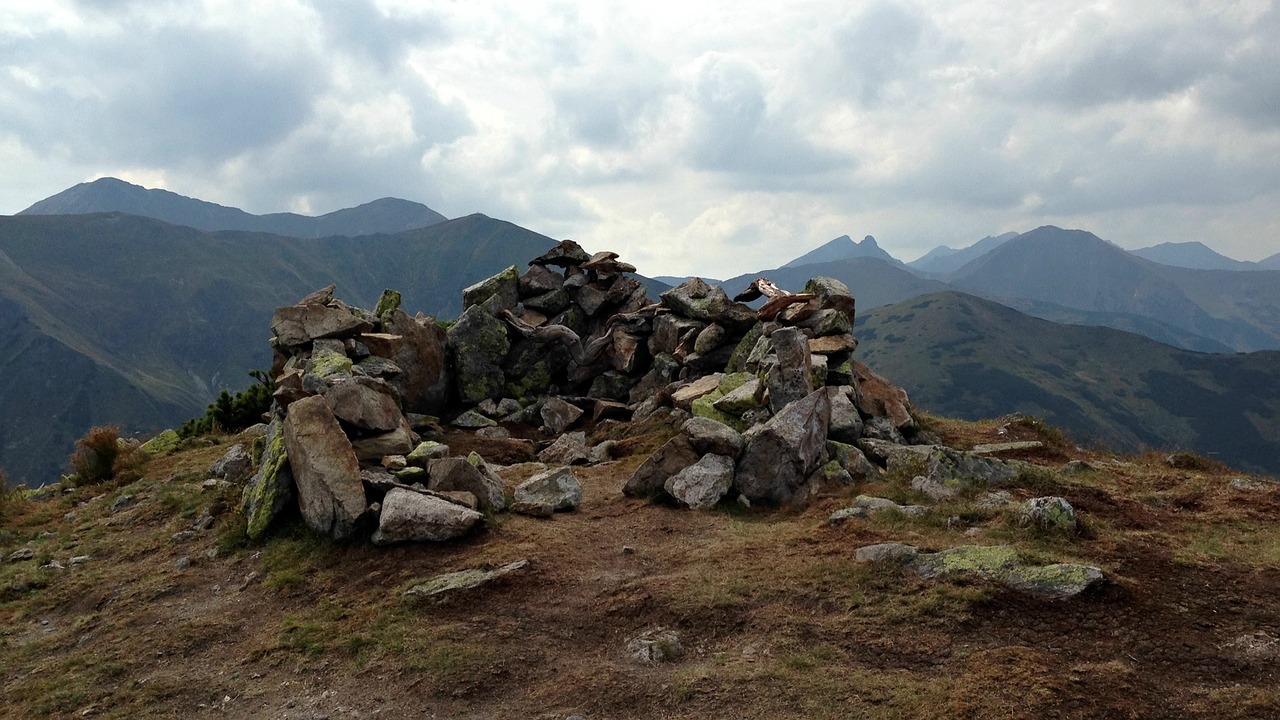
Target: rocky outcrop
[{"x": 999, "y": 563}]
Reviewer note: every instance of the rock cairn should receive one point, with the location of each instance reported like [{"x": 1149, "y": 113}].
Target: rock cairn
[{"x": 773, "y": 404}]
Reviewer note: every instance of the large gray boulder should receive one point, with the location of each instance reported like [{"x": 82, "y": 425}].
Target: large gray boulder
[
  {"x": 234, "y": 466},
  {"x": 557, "y": 489},
  {"x": 1051, "y": 514},
  {"x": 783, "y": 453},
  {"x": 453, "y": 474},
  {"x": 409, "y": 516},
  {"x": 702, "y": 484},
  {"x": 270, "y": 490},
  {"x": 494, "y": 294},
  {"x": 365, "y": 403},
  {"x": 846, "y": 423},
  {"x": 697, "y": 300},
  {"x": 477, "y": 346},
  {"x": 649, "y": 479},
  {"x": 300, "y": 324},
  {"x": 939, "y": 471},
  {"x": 568, "y": 449},
  {"x": 712, "y": 437},
  {"x": 325, "y": 469},
  {"x": 423, "y": 382},
  {"x": 400, "y": 441},
  {"x": 792, "y": 377}
]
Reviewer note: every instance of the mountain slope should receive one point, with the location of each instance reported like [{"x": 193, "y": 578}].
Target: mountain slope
[
  {"x": 1077, "y": 270},
  {"x": 844, "y": 248},
  {"x": 962, "y": 356},
  {"x": 942, "y": 260},
  {"x": 1270, "y": 263},
  {"x": 165, "y": 316},
  {"x": 388, "y": 215},
  {"x": 1195, "y": 255}
]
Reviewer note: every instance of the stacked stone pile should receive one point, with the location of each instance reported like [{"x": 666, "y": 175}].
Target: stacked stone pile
[{"x": 776, "y": 405}]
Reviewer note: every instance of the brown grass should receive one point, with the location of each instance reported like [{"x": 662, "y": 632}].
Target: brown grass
[{"x": 776, "y": 617}]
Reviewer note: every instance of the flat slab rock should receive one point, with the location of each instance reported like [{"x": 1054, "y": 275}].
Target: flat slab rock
[
  {"x": 463, "y": 580},
  {"x": 997, "y": 563}
]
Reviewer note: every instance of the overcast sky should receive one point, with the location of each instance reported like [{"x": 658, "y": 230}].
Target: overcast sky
[{"x": 712, "y": 138}]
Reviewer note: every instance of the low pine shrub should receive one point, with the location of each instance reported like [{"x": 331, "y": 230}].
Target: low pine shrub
[{"x": 233, "y": 413}]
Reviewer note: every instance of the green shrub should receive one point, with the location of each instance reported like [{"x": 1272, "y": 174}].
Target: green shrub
[{"x": 233, "y": 413}]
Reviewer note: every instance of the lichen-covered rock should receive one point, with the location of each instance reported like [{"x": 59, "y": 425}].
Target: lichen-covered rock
[
  {"x": 473, "y": 420},
  {"x": 427, "y": 451},
  {"x": 388, "y": 301},
  {"x": 458, "y": 474},
  {"x": 782, "y": 454},
  {"x": 1000, "y": 563},
  {"x": 496, "y": 293},
  {"x": 557, "y": 487},
  {"x": 270, "y": 490},
  {"x": 1052, "y": 514},
  {"x": 865, "y": 505},
  {"x": 477, "y": 346},
  {"x": 463, "y": 579},
  {"x": 165, "y": 443},
  {"x": 711, "y": 437},
  {"x": 409, "y": 516},
  {"x": 742, "y": 399},
  {"x": 852, "y": 460},
  {"x": 648, "y": 479},
  {"x": 832, "y": 294},
  {"x": 940, "y": 471},
  {"x": 695, "y": 299},
  {"x": 326, "y": 472},
  {"x": 701, "y": 485},
  {"x": 655, "y": 646}
]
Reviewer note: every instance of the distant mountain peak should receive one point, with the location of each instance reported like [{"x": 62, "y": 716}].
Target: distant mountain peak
[
  {"x": 1192, "y": 254},
  {"x": 109, "y": 194},
  {"x": 943, "y": 259},
  {"x": 844, "y": 248}
]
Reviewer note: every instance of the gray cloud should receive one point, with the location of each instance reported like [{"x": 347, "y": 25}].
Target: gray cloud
[{"x": 694, "y": 136}]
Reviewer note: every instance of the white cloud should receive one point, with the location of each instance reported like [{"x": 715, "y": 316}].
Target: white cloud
[{"x": 715, "y": 137}]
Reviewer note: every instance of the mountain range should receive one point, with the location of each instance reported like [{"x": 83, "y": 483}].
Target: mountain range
[
  {"x": 122, "y": 317},
  {"x": 113, "y": 318},
  {"x": 388, "y": 215},
  {"x": 962, "y": 356}
]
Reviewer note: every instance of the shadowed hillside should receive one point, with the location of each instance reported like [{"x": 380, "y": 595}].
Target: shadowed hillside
[{"x": 965, "y": 357}]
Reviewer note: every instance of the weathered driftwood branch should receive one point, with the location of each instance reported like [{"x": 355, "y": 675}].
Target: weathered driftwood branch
[
  {"x": 562, "y": 335},
  {"x": 778, "y": 301}
]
